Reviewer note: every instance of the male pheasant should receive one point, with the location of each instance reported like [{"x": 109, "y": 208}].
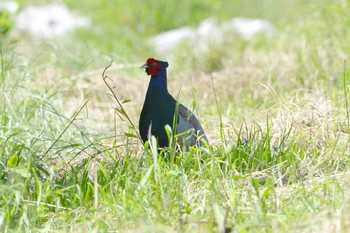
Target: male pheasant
[{"x": 161, "y": 109}]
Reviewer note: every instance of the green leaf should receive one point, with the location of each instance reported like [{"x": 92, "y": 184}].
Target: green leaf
[
  {"x": 121, "y": 111},
  {"x": 145, "y": 179},
  {"x": 13, "y": 160},
  {"x": 255, "y": 184},
  {"x": 130, "y": 135},
  {"x": 126, "y": 101}
]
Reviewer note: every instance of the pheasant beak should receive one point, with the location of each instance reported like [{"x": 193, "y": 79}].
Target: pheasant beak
[{"x": 144, "y": 66}]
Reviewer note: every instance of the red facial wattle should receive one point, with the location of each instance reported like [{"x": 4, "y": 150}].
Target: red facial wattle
[{"x": 153, "y": 66}]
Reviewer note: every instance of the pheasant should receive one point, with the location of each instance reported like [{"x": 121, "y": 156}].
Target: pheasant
[{"x": 161, "y": 109}]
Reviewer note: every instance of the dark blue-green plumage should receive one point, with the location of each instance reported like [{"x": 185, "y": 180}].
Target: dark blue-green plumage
[{"x": 160, "y": 109}]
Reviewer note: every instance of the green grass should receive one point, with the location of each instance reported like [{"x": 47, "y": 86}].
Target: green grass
[{"x": 275, "y": 110}]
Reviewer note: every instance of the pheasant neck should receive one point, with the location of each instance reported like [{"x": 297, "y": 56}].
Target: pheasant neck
[{"x": 159, "y": 80}]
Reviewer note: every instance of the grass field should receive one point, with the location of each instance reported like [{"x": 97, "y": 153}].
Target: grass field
[{"x": 278, "y": 126}]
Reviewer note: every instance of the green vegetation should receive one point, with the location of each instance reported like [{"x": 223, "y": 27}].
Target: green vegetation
[{"x": 278, "y": 126}]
